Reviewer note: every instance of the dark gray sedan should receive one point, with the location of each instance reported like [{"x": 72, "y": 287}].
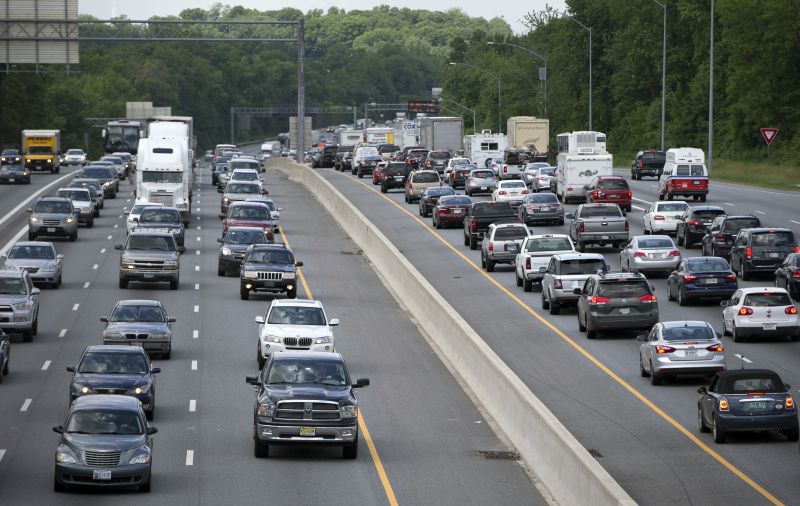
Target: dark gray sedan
[
  {"x": 104, "y": 442},
  {"x": 140, "y": 322},
  {"x": 14, "y": 173},
  {"x": 541, "y": 208}
]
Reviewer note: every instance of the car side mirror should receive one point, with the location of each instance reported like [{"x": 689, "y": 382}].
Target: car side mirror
[
  {"x": 151, "y": 430},
  {"x": 264, "y": 192},
  {"x": 702, "y": 390},
  {"x": 361, "y": 382},
  {"x": 104, "y": 319},
  {"x": 652, "y": 287},
  {"x": 725, "y": 303},
  {"x": 219, "y": 240},
  {"x": 58, "y": 429},
  {"x": 577, "y": 291},
  {"x": 30, "y": 210},
  {"x": 136, "y": 219},
  {"x": 221, "y": 216},
  {"x": 787, "y": 386},
  {"x": 569, "y": 216},
  {"x": 298, "y": 264},
  {"x": 155, "y": 370},
  {"x": 181, "y": 249},
  {"x": 35, "y": 291},
  {"x": 171, "y": 319},
  {"x": 70, "y": 368},
  {"x": 118, "y": 246},
  {"x": 219, "y": 190},
  {"x": 60, "y": 256},
  {"x": 280, "y": 209},
  {"x": 641, "y": 338},
  {"x": 259, "y": 320},
  {"x": 334, "y": 322},
  {"x": 251, "y": 380}
]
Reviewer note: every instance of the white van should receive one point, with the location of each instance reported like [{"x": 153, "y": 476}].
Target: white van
[
  {"x": 575, "y": 171},
  {"x": 685, "y": 174}
]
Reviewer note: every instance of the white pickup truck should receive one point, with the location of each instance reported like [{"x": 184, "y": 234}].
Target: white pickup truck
[{"x": 534, "y": 255}]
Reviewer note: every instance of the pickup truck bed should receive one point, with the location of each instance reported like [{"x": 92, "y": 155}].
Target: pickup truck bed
[
  {"x": 601, "y": 224},
  {"x": 481, "y": 215}
]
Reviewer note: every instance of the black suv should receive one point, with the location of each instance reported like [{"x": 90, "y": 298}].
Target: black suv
[
  {"x": 394, "y": 175},
  {"x": 761, "y": 250},
  {"x": 718, "y": 240},
  {"x": 343, "y": 157},
  {"x": 268, "y": 268},
  {"x": 437, "y": 160},
  {"x": 694, "y": 223},
  {"x": 648, "y": 163},
  {"x": 616, "y": 301},
  {"x": 305, "y": 397},
  {"x": 327, "y": 157}
]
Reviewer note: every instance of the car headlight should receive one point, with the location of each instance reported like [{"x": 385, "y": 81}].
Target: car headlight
[
  {"x": 86, "y": 210},
  {"x": 113, "y": 335},
  {"x": 159, "y": 335},
  {"x": 271, "y": 339},
  {"x": 143, "y": 457},
  {"x": 226, "y": 251},
  {"x": 78, "y": 389},
  {"x": 107, "y": 184},
  {"x": 23, "y": 305},
  {"x": 142, "y": 389},
  {"x": 226, "y": 200},
  {"x": 170, "y": 264},
  {"x": 250, "y": 274},
  {"x": 64, "y": 456},
  {"x": 349, "y": 411},
  {"x": 34, "y": 219},
  {"x": 49, "y": 160},
  {"x": 323, "y": 340},
  {"x": 289, "y": 275},
  {"x": 266, "y": 408},
  {"x": 71, "y": 219}
]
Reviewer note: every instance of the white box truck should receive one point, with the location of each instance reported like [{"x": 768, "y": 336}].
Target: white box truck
[
  {"x": 162, "y": 174},
  {"x": 405, "y": 133},
  {"x": 530, "y": 133},
  {"x": 575, "y": 170},
  {"x": 351, "y": 137},
  {"x": 441, "y": 133},
  {"x": 483, "y": 147}
]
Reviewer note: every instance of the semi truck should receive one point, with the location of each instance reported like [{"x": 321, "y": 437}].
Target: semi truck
[
  {"x": 439, "y": 132},
  {"x": 41, "y": 150},
  {"x": 163, "y": 174},
  {"x": 351, "y": 137},
  {"x": 530, "y": 133},
  {"x": 380, "y": 135},
  {"x": 405, "y": 133},
  {"x": 189, "y": 121},
  {"x": 483, "y": 147},
  {"x": 122, "y": 135}
]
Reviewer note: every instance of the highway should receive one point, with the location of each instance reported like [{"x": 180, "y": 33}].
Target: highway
[
  {"x": 423, "y": 433},
  {"x": 644, "y": 435}
]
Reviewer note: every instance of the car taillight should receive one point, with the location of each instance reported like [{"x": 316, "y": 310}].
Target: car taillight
[
  {"x": 641, "y": 165},
  {"x": 581, "y": 227},
  {"x": 789, "y": 402},
  {"x": 790, "y": 310},
  {"x": 650, "y": 297},
  {"x": 662, "y": 349},
  {"x": 796, "y": 274},
  {"x": 627, "y": 226},
  {"x": 691, "y": 222},
  {"x": 674, "y": 253},
  {"x": 658, "y": 217},
  {"x": 723, "y": 404},
  {"x": 569, "y": 188},
  {"x": 716, "y": 347},
  {"x": 630, "y": 195},
  {"x": 491, "y": 247},
  {"x": 528, "y": 263},
  {"x": 501, "y": 192},
  {"x": 748, "y": 252},
  {"x": 744, "y": 311},
  {"x": 719, "y": 237},
  {"x": 505, "y": 168},
  {"x": 524, "y": 192},
  {"x": 444, "y": 210},
  {"x": 473, "y": 225},
  {"x": 640, "y": 254},
  {"x": 557, "y": 284},
  {"x": 797, "y": 249},
  {"x": 598, "y": 301},
  {"x": 596, "y": 194}
]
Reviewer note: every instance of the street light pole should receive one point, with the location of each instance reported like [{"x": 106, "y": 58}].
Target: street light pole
[
  {"x": 711, "y": 96},
  {"x": 588, "y": 29},
  {"x": 534, "y": 53},
  {"x": 663, "y": 72},
  {"x": 499, "y": 104}
]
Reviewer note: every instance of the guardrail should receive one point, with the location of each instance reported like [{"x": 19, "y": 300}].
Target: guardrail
[{"x": 562, "y": 464}]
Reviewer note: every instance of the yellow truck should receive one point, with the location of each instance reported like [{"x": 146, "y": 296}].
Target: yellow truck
[{"x": 41, "y": 150}]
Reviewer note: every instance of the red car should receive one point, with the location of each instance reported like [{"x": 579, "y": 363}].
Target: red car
[
  {"x": 248, "y": 214},
  {"x": 610, "y": 190},
  {"x": 450, "y": 210},
  {"x": 377, "y": 174}
]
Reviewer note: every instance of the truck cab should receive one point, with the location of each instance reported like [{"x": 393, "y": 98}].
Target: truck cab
[
  {"x": 41, "y": 150},
  {"x": 163, "y": 174}
]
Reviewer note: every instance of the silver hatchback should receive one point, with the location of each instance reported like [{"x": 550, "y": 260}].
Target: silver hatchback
[
  {"x": 648, "y": 253},
  {"x": 680, "y": 348}
]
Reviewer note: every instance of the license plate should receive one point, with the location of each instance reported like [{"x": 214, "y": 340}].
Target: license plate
[
  {"x": 711, "y": 281},
  {"x": 51, "y": 230},
  {"x": 756, "y": 406},
  {"x": 684, "y": 185},
  {"x": 398, "y": 178},
  {"x": 511, "y": 247},
  {"x": 483, "y": 188},
  {"x": 308, "y": 431},
  {"x": 691, "y": 353},
  {"x": 604, "y": 237},
  {"x": 101, "y": 474},
  {"x": 11, "y": 180},
  {"x": 149, "y": 275},
  {"x": 624, "y": 310},
  {"x": 544, "y": 209},
  {"x": 657, "y": 255},
  {"x": 773, "y": 255},
  {"x": 613, "y": 196},
  {"x": 458, "y": 211},
  {"x": 695, "y": 182},
  {"x": 769, "y": 326}
]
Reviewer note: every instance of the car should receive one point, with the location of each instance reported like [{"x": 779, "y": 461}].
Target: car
[
  {"x": 106, "y": 175},
  {"x": 149, "y": 257},
  {"x": 234, "y": 246},
  {"x": 648, "y": 253},
  {"x": 249, "y": 214},
  {"x": 457, "y": 177},
  {"x": 452, "y": 163},
  {"x": 144, "y": 323},
  {"x": 377, "y": 172},
  {"x": 480, "y": 181},
  {"x": 534, "y": 255},
  {"x": 436, "y": 160},
  {"x": 388, "y": 151},
  {"x": 564, "y": 274},
  {"x": 418, "y": 181},
  {"x": 663, "y": 217},
  {"x": 701, "y": 278},
  {"x": 115, "y": 370},
  {"x": 240, "y": 161},
  {"x": 540, "y": 177},
  {"x": 718, "y": 240},
  {"x": 764, "y": 312},
  {"x": 680, "y": 348},
  {"x": 105, "y": 442},
  {"x": 788, "y": 275},
  {"x": 494, "y": 163},
  {"x": 648, "y": 163},
  {"x": 127, "y": 159},
  {"x": 5, "y": 354},
  {"x": 223, "y": 173},
  {"x": 415, "y": 158},
  {"x": 610, "y": 189},
  {"x": 600, "y": 224},
  {"x": 236, "y": 191},
  {"x": 132, "y": 219},
  {"x": 512, "y": 164},
  {"x": 694, "y": 223},
  {"x": 243, "y": 176},
  {"x": 82, "y": 203},
  {"x": 450, "y": 210},
  {"x": 394, "y": 175},
  {"x": 95, "y": 184},
  {"x": 11, "y": 156},
  {"x": 74, "y": 156},
  {"x": 268, "y": 268},
  {"x": 430, "y": 196},
  {"x": 119, "y": 165},
  {"x": 512, "y": 192},
  {"x": 541, "y": 208},
  {"x": 760, "y": 250},
  {"x": 501, "y": 243},
  {"x": 294, "y": 325},
  {"x": 530, "y": 171},
  {"x": 327, "y": 156},
  {"x": 747, "y": 400},
  {"x": 343, "y": 158},
  {"x": 40, "y": 259},
  {"x": 162, "y": 219},
  {"x": 53, "y": 216},
  {"x": 20, "y": 302},
  {"x": 14, "y": 173},
  {"x": 209, "y": 155},
  {"x": 274, "y": 210},
  {"x": 305, "y": 398},
  {"x": 616, "y": 301},
  {"x": 364, "y": 161}
]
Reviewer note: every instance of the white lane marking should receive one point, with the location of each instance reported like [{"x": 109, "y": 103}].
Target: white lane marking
[
  {"x": 2, "y": 454},
  {"x": 62, "y": 333},
  {"x": 120, "y": 216},
  {"x": 196, "y": 309},
  {"x": 198, "y": 217},
  {"x": 197, "y": 268},
  {"x": 95, "y": 266},
  {"x": 759, "y": 212},
  {"x": 198, "y": 238},
  {"x": 197, "y": 252},
  {"x": 197, "y": 286},
  {"x": 198, "y": 227},
  {"x": 75, "y": 306},
  {"x": 639, "y": 208},
  {"x": 728, "y": 204},
  {"x": 13, "y": 240},
  {"x": 26, "y": 405},
  {"x": 189, "y": 457},
  {"x": 195, "y": 334},
  {"x": 795, "y": 222},
  {"x": 109, "y": 237},
  {"x": 198, "y": 209},
  {"x": 194, "y": 365},
  {"x": 116, "y": 225},
  {"x": 102, "y": 250},
  {"x": 46, "y": 365},
  {"x": 86, "y": 285},
  {"x": 743, "y": 358},
  {"x": 13, "y": 213},
  {"x": 192, "y": 405},
  {"x": 128, "y": 200},
  {"x": 754, "y": 189},
  {"x": 642, "y": 201}
]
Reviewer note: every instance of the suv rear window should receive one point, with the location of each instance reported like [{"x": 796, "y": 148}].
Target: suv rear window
[
  {"x": 654, "y": 159},
  {"x": 612, "y": 184},
  {"x": 510, "y": 233},
  {"x": 515, "y": 158},
  {"x": 626, "y": 288},
  {"x": 581, "y": 266},
  {"x": 439, "y": 155},
  {"x": 425, "y": 177},
  {"x": 594, "y": 211},
  {"x": 482, "y": 174},
  {"x": 767, "y": 299},
  {"x": 492, "y": 209},
  {"x": 733, "y": 226},
  {"x": 686, "y": 170},
  {"x": 776, "y": 238},
  {"x": 708, "y": 215}
]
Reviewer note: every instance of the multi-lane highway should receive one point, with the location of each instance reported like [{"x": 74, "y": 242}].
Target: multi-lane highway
[
  {"x": 421, "y": 433},
  {"x": 645, "y": 436}
]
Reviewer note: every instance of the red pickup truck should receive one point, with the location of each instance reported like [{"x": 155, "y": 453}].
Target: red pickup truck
[{"x": 685, "y": 180}]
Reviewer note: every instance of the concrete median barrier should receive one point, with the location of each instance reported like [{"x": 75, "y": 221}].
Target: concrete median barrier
[{"x": 562, "y": 464}]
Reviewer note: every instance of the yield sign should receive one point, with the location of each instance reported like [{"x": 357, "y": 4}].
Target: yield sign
[{"x": 769, "y": 134}]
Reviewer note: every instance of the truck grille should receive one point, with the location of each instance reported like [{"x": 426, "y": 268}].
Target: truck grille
[
  {"x": 101, "y": 459},
  {"x": 326, "y": 411},
  {"x": 271, "y": 276},
  {"x": 32, "y": 270},
  {"x": 161, "y": 198},
  {"x": 51, "y": 223},
  {"x": 137, "y": 336},
  {"x": 153, "y": 265},
  {"x": 297, "y": 343},
  {"x": 6, "y": 309}
]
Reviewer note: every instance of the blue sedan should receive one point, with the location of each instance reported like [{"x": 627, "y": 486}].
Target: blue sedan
[{"x": 701, "y": 278}]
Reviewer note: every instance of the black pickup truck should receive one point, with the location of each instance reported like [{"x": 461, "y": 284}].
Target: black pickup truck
[
  {"x": 648, "y": 163},
  {"x": 481, "y": 215}
]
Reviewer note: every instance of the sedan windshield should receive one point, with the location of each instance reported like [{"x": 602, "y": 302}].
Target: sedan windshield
[
  {"x": 151, "y": 242},
  {"x": 12, "y": 286},
  {"x": 81, "y": 195},
  {"x": 673, "y": 207},
  {"x": 241, "y": 188},
  {"x": 454, "y": 200},
  {"x": 707, "y": 265},
  {"x": 541, "y": 198},
  {"x": 482, "y": 174},
  {"x": 125, "y": 423},
  {"x": 131, "y": 313},
  {"x": 288, "y": 315},
  {"x": 245, "y": 237},
  {"x": 307, "y": 371},
  {"x": 245, "y": 176},
  {"x": 439, "y": 191},
  {"x": 100, "y": 173},
  {"x": 53, "y": 207},
  {"x": 276, "y": 256},
  {"x": 158, "y": 215},
  {"x": 12, "y": 168},
  {"x": 512, "y": 184},
  {"x": 32, "y": 252},
  {"x": 113, "y": 363},
  {"x": 581, "y": 266}
]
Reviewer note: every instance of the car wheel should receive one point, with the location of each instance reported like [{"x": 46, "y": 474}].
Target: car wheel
[
  {"x": 642, "y": 372},
  {"x": 244, "y": 293},
  {"x": 744, "y": 273},
  {"x": 591, "y": 333},
  {"x": 173, "y": 285},
  {"x": 792, "y": 435},
  {"x": 5, "y": 367},
  {"x": 27, "y": 335},
  {"x": 701, "y": 425},
  {"x": 260, "y": 359},
  {"x": 260, "y": 450},
  {"x": 220, "y": 272},
  {"x": 291, "y": 294},
  {"x": 384, "y": 189},
  {"x": 58, "y": 486},
  {"x": 670, "y": 294},
  {"x": 718, "y": 435},
  {"x": 466, "y": 240},
  {"x": 58, "y": 283},
  {"x": 517, "y": 278},
  {"x": 473, "y": 242},
  {"x": 581, "y": 246},
  {"x": 725, "y": 328},
  {"x": 655, "y": 379},
  {"x": 96, "y": 212},
  {"x": 555, "y": 307},
  {"x": 123, "y": 283},
  {"x": 682, "y": 298},
  {"x": 31, "y": 236},
  {"x": 490, "y": 265},
  {"x": 90, "y": 223},
  {"x": 74, "y": 236},
  {"x": 350, "y": 451},
  {"x": 168, "y": 354},
  {"x": 527, "y": 285},
  {"x": 668, "y": 196},
  {"x": 737, "y": 338},
  {"x": 581, "y": 326},
  {"x": 702, "y": 198},
  {"x": 545, "y": 302}
]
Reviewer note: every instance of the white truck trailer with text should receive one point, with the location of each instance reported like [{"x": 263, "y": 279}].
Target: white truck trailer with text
[
  {"x": 582, "y": 156},
  {"x": 161, "y": 175}
]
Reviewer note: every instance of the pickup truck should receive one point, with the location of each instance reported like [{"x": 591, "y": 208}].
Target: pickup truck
[
  {"x": 531, "y": 262},
  {"x": 501, "y": 243},
  {"x": 602, "y": 224},
  {"x": 149, "y": 257},
  {"x": 162, "y": 219},
  {"x": 513, "y": 164},
  {"x": 483, "y": 214}
]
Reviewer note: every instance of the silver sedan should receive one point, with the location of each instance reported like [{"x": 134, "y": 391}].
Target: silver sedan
[
  {"x": 650, "y": 253},
  {"x": 39, "y": 258},
  {"x": 540, "y": 179},
  {"x": 480, "y": 181},
  {"x": 680, "y": 348}
]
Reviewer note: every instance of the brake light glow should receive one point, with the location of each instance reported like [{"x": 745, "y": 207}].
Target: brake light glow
[
  {"x": 790, "y": 310},
  {"x": 627, "y": 225},
  {"x": 716, "y": 347},
  {"x": 443, "y": 210},
  {"x": 719, "y": 237},
  {"x": 491, "y": 247},
  {"x": 630, "y": 195},
  {"x": 674, "y": 253},
  {"x": 581, "y": 227},
  {"x": 502, "y": 192},
  {"x": 797, "y": 249},
  {"x": 796, "y": 274},
  {"x": 650, "y": 297},
  {"x": 745, "y": 311},
  {"x": 524, "y": 192},
  {"x": 723, "y": 404},
  {"x": 596, "y": 194},
  {"x": 662, "y": 349},
  {"x": 731, "y": 277},
  {"x": 569, "y": 188},
  {"x": 658, "y": 217},
  {"x": 789, "y": 402},
  {"x": 691, "y": 222},
  {"x": 641, "y": 165},
  {"x": 528, "y": 263},
  {"x": 473, "y": 225},
  {"x": 640, "y": 254},
  {"x": 688, "y": 278},
  {"x": 748, "y": 252},
  {"x": 598, "y": 301}
]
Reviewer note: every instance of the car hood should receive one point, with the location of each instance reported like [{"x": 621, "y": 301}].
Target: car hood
[
  {"x": 51, "y": 216},
  {"x": 239, "y": 222},
  {"x": 81, "y": 203},
  {"x": 236, "y": 248},
  {"x": 236, "y": 197},
  {"x": 126, "y": 381},
  {"x": 103, "y": 442},
  {"x": 17, "y": 169},
  {"x": 150, "y": 255},
  {"x": 155, "y": 224},
  {"x": 136, "y": 327},
  {"x": 29, "y": 262},
  {"x": 255, "y": 266},
  {"x": 309, "y": 391},
  {"x": 297, "y": 330},
  {"x": 11, "y": 298}
]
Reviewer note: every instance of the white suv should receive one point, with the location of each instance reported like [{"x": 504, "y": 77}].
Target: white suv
[{"x": 294, "y": 325}]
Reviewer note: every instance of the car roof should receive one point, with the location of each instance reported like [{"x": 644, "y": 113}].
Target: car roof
[
  {"x": 547, "y": 236},
  {"x": 54, "y": 199},
  {"x": 767, "y": 229},
  {"x": 126, "y": 402},
  {"x": 707, "y": 208},
  {"x": 685, "y": 323},
  {"x": 153, "y": 233},
  {"x": 280, "y": 247},
  {"x": 73, "y": 188},
  {"x": 762, "y": 289},
  {"x": 316, "y": 356},
  {"x": 578, "y": 256},
  {"x": 12, "y": 273},
  {"x": 510, "y": 225},
  {"x": 246, "y": 229},
  {"x": 248, "y": 203},
  {"x": 137, "y": 302},
  {"x": 297, "y": 302},
  {"x": 114, "y": 348},
  {"x": 33, "y": 243},
  {"x": 598, "y": 204}
]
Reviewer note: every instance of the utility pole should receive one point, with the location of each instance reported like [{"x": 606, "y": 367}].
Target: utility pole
[
  {"x": 301, "y": 91},
  {"x": 233, "y": 111},
  {"x": 711, "y": 96}
]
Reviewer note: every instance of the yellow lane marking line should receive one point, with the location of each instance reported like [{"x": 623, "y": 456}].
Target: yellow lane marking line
[
  {"x": 647, "y": 402},
  {"x": 362, "y": 425}
]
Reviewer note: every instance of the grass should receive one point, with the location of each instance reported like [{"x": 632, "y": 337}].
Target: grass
[{"x": 763, "y": 174}]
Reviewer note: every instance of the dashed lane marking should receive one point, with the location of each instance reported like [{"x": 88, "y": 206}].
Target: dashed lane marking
[
  {"x": 75, "y": 306},
  {"x": 196, "y": 309},
  {"x": 192, "y": 405},
  {"x": 189, "y": 457},
  {"x": 62, "y": 333},
  {"x": 197, "y": 285},
  {"x": 46, "y": 365},
  {"x": 86, "y": 285},
  {"x": 194, "y": 365},
  {"x": 195, "y": 334},
  {"x": 102, "y": 250},
  {"x": 26, "y": 405},
  {"x": 95, "y": 266}
]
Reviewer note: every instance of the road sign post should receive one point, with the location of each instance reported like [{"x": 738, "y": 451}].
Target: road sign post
[{"x": 768, "y": 134}]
